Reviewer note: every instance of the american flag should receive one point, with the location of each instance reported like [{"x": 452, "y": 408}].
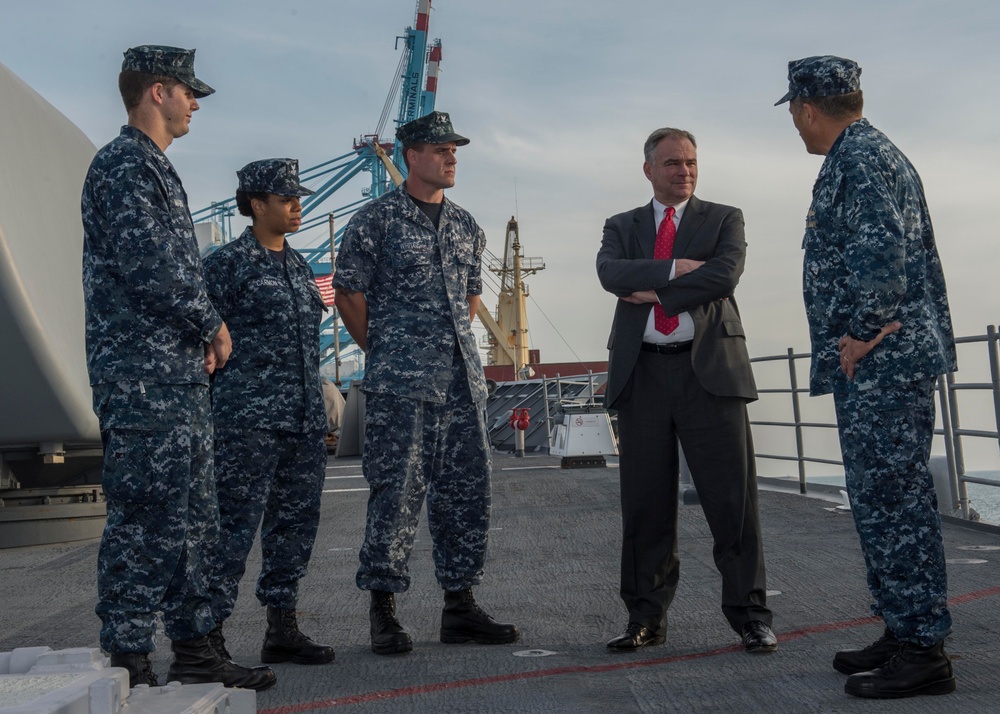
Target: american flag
[{"x": 325, "y": 285}]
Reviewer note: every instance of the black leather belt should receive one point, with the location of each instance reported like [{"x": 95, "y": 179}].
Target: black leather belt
[{"x": 670, "y": 348}]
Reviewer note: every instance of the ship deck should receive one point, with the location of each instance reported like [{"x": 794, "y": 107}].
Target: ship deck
[{"x": 553, "y": 569}]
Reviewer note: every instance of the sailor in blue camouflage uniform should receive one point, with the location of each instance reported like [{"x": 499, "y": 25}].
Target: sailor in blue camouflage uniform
[
  {"x": 270, "y": 420},
  {"x": 881, "y": 334},
  {"x": 408, "y": 283},
  {"x": 153, "y": 337}
]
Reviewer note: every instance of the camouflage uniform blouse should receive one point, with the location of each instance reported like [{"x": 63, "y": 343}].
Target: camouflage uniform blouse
[
  {"x": 148, "y": 314},
  {"x": 273, "y": 313},
  {"x": 870, "y": 259},
  {"x": 415, "y": 280}
]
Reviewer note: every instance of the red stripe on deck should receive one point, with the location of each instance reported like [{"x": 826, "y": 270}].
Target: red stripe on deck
[
  {"x": 589, "y": 669},
  {"x": 977, "y": 595}
]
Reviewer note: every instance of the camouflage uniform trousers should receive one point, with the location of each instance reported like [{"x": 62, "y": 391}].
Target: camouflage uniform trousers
[
  {"x": 162, "y": 513},
  {"x": 276, "y": 476},
  {"x": 885, "y": 437},
  {"x": 415, "y": 448}
]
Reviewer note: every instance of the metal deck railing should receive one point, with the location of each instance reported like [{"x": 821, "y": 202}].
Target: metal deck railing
[{"x": 950, "y": 431}]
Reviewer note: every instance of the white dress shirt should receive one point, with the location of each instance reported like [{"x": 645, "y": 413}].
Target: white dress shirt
[{"x": 685, "y": 325}]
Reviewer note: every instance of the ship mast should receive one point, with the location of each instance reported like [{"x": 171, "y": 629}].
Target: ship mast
[{"x": 507, "y": 336}]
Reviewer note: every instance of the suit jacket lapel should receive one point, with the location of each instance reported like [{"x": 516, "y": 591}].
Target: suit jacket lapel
[
  {"x": 644, "y": 230},
  {"x": 694, "y": 216}
]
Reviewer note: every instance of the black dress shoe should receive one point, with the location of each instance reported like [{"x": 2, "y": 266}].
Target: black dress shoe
[
  {"x": 913, "y": 670},
  {"x": 757, "y": 637},
  {"x": 871, "y": 657},
  {"x": 634, "y": 637}
]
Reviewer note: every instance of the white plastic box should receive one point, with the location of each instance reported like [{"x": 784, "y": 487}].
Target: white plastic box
[{"x": 38, "y": 680}]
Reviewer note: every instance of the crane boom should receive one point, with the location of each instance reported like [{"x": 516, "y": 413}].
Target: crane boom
[{"x": 417, "y": 85}]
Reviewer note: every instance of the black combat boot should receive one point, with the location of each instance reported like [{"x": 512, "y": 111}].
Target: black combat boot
[
  {"x": 283, "y": 642},
  {"x": 218, "y": 642},
  {"x": 913, "y": 670},
  {"x": 196, "y": 662},
  {"x": 140, "y": 671},
  {"x": 871, "y": 657},
  {"x": 464, "y": 621},
  {"x": 388, "y": 636}
]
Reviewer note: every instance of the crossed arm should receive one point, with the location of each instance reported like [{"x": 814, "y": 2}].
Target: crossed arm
[
  {"x": 682, "y": 266},
  {"x": 695, "y": 282}
]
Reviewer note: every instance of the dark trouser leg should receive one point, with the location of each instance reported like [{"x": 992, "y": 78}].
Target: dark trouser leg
[
  {"x": 458, "y": 496},
  {"x": 245, "y": 462},
  {"x": 145, "y": 482},
  {"x": 161, "y": 515},
  {"x": 715, "y": 435},
  {"x": 291, "y": 518},
  {"x": 187, "y": 602},
  {"x": 648, "y": 465},
  {"x": 394, "y": 466},
  {"x": 885, "y": 437}
]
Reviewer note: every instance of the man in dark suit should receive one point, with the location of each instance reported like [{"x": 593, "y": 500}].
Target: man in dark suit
[{"x": 679, "y": 370}]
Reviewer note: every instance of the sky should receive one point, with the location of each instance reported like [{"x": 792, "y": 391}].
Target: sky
[{"x": 558, "y": 98}]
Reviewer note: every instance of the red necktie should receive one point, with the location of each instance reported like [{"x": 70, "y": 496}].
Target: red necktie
[{"x": 664, "y": 248}]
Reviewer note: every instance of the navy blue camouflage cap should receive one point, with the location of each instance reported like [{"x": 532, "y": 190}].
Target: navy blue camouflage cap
[
  {"x": 433, "y": 128},
  {"x": 277, "y": 176},
  {"x": 167, "y": 61},
  {"x": 823, "y": 76}
]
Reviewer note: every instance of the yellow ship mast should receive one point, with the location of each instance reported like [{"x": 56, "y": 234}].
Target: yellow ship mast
[{"x": 507, "y": 336}]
